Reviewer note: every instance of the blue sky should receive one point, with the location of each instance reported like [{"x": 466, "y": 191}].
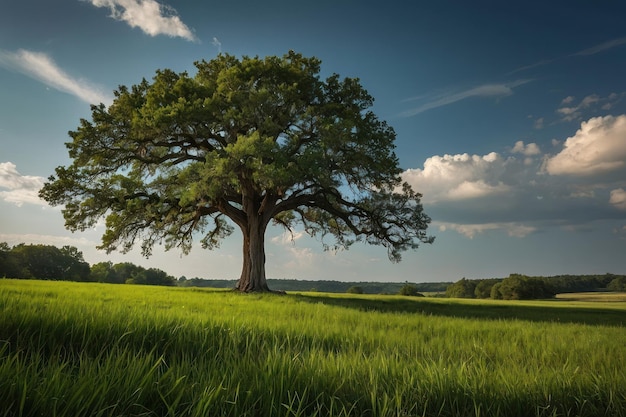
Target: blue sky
[{"x": 510, "y": 120}]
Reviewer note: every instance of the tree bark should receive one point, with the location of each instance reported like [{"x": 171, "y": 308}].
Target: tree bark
[{"x": 253, "y": 277}]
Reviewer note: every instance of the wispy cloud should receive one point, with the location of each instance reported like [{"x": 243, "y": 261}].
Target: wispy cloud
[
  {"x": 471, "y": 230},
  {"x": 41, "y": 67},
  {"x": 585, "y": 52},
  {"x": 150, "y": 16},
  {"x": 216, "y": 42},
  {"x": 535, "y": 65},
  {"x": 601, "y": 47},
  {"x": 485, "y": 91},
  {"x": 15, "y": 239}
]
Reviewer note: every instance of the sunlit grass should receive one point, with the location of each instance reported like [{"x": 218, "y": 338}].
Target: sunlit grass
[
  {"x": 594, "y": 296},
  {"x": 70, "y": 349}
]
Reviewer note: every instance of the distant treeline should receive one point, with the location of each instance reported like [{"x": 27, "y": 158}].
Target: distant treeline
[
  {"x": 322, "y": 285},
  {"x": 522, "y": 287},
  {"x": 67, "y": 264}
]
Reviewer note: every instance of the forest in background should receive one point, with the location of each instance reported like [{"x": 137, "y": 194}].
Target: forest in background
[{"x": 67, "y": 264}]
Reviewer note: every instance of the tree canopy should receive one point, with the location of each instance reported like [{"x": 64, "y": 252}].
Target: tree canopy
[
  {"x": 463, "y": 288},
  {"x": 242, "y": 143},
  {"x": 410, "y": 290},
  {"x": 521, "y": 287},
  {"x": 515, "y": 287}
]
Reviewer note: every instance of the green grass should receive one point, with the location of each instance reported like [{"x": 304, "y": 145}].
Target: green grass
[
  {"x": 594, "y": 296},
  {"x": 70, "y": 349}
]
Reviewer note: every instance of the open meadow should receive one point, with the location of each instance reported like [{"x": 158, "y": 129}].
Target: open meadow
[
  {"x": 74, "y": 349},
  {"x": 594, "y": 296}
]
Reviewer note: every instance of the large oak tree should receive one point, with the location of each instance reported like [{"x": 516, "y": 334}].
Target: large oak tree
[{"x": 243, "y": 142}]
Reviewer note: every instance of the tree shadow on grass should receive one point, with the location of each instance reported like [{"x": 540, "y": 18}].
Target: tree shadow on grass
[{"x": 486, "y": 310}]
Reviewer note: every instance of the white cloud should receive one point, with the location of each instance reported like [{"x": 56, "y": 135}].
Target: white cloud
[
  {"x": 216, "y": 42},
  {"x": 21, "y": 188},
  {"x": 535, "y": 65},
  {"x": 475, "y": 189},
  {"x": 582, "y": 192},
  {"x": 471, "y": 194},
  {"x": 585, "y": 52},
  {"x": 458, "y": 177},
  {"x": 15, "y": 239},
  {"x": 589, "y": 100},
  {"x": 150, "y": 16},
  {"x": 471, "y": 230},
  {"x": 601, "y": 47},
  {"x": 618, "y": 198},
  {"x": 487, "y": 90},
  {"x": 290, "y": 257},
  {"x": 41, "y": 67},
  {"x": 570, "y": 111},
  {"x": 598, "y": 147},
  {"x": 299, "y": 258},
  {"x": 528, "y": 150},
  {"x": 287, "y": 238}
]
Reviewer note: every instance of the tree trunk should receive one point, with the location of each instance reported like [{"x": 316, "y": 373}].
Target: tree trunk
[{"x": 253, "y": 272}]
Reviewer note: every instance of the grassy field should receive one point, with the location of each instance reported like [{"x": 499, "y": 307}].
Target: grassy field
[
  {"x": 70, "y": 349},
  {"x": 594, "y": 296}
]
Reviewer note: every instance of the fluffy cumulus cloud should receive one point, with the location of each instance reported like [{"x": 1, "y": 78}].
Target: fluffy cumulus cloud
[
  {"x": 529, "y": 150},
  {"x": 522, "y": 190},
  {"x": 458, "y": 177},
  {"x": 150, "y": 16},
  {"x": 19, "y": 189},
  {"x": 41, "y": 67},
  {"x": 598, "y": 147}
]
